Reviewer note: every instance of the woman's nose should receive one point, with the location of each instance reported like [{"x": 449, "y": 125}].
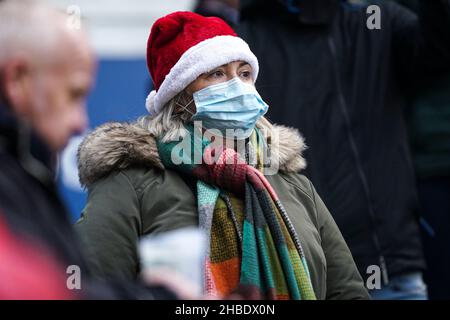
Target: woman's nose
[{"x": 231, "y": 75}]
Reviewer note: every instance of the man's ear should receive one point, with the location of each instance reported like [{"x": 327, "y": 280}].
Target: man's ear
[{"x": 17, "y": 85}]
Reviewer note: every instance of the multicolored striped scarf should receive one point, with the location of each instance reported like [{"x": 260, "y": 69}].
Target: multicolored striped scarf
[{"x": 253, "y": 245}]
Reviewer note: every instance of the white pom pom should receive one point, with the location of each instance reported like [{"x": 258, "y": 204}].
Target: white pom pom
[{"x": 150, "y": 103}]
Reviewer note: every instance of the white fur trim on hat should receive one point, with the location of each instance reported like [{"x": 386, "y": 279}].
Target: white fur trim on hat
[
  {"x": 150, "y": 101},
  {"x": 201, "y": 58}
]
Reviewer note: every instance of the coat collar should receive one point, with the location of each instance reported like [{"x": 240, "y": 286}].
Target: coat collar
[
  {"x": 117, "y": 146},
  {"x": 20, "y": 141}
]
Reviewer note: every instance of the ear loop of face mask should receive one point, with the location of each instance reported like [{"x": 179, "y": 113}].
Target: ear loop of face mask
[{"x": 185, "y": 107}]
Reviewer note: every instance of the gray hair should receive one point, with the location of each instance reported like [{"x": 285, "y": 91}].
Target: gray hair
[{"x": 28, "y": 27}]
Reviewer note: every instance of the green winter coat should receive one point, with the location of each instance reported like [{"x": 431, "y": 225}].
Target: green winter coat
[{"x": 132, "y": 195}]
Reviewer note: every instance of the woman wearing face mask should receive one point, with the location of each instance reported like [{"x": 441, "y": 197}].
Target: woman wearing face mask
[{"x": 268, "y": 231}]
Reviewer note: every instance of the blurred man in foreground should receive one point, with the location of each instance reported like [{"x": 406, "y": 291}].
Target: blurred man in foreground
[{"x": 46, "y": 71}]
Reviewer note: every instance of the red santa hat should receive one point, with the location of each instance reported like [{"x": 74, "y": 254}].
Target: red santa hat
[{"x": 184, "y": 45}]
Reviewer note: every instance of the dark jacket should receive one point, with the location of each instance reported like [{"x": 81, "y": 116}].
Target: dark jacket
[
  {"x": 343, "y": 86},
  {"x": 131, "y": 195},
  {"x": 31, "y": 208},
  {"x": 429, "y": 128},
  {"x": 428, "y": 118},
  {"x": 28, "y": 194}
]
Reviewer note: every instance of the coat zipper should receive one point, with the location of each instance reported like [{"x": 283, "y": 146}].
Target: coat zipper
[{"x": 362, "y": 175}]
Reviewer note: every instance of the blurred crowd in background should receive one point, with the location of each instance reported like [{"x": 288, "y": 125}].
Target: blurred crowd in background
[{"x": 372, "y": 104}]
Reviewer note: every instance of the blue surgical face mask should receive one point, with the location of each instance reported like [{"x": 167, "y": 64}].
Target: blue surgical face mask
[{"x": 232, "y": 105}]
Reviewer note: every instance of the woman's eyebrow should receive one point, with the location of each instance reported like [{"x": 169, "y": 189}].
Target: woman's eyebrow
[
  {"x": 222, "y": 66},
  {"x": 243, "y": 64}
]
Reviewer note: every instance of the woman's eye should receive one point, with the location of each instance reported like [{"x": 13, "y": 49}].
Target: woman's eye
[
  {"x": 246, "y": 74},
  {"x": 216, "y": 74}
]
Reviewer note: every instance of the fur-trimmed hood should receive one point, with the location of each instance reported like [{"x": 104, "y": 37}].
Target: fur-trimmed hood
[{"x": 117, "y": 146}]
